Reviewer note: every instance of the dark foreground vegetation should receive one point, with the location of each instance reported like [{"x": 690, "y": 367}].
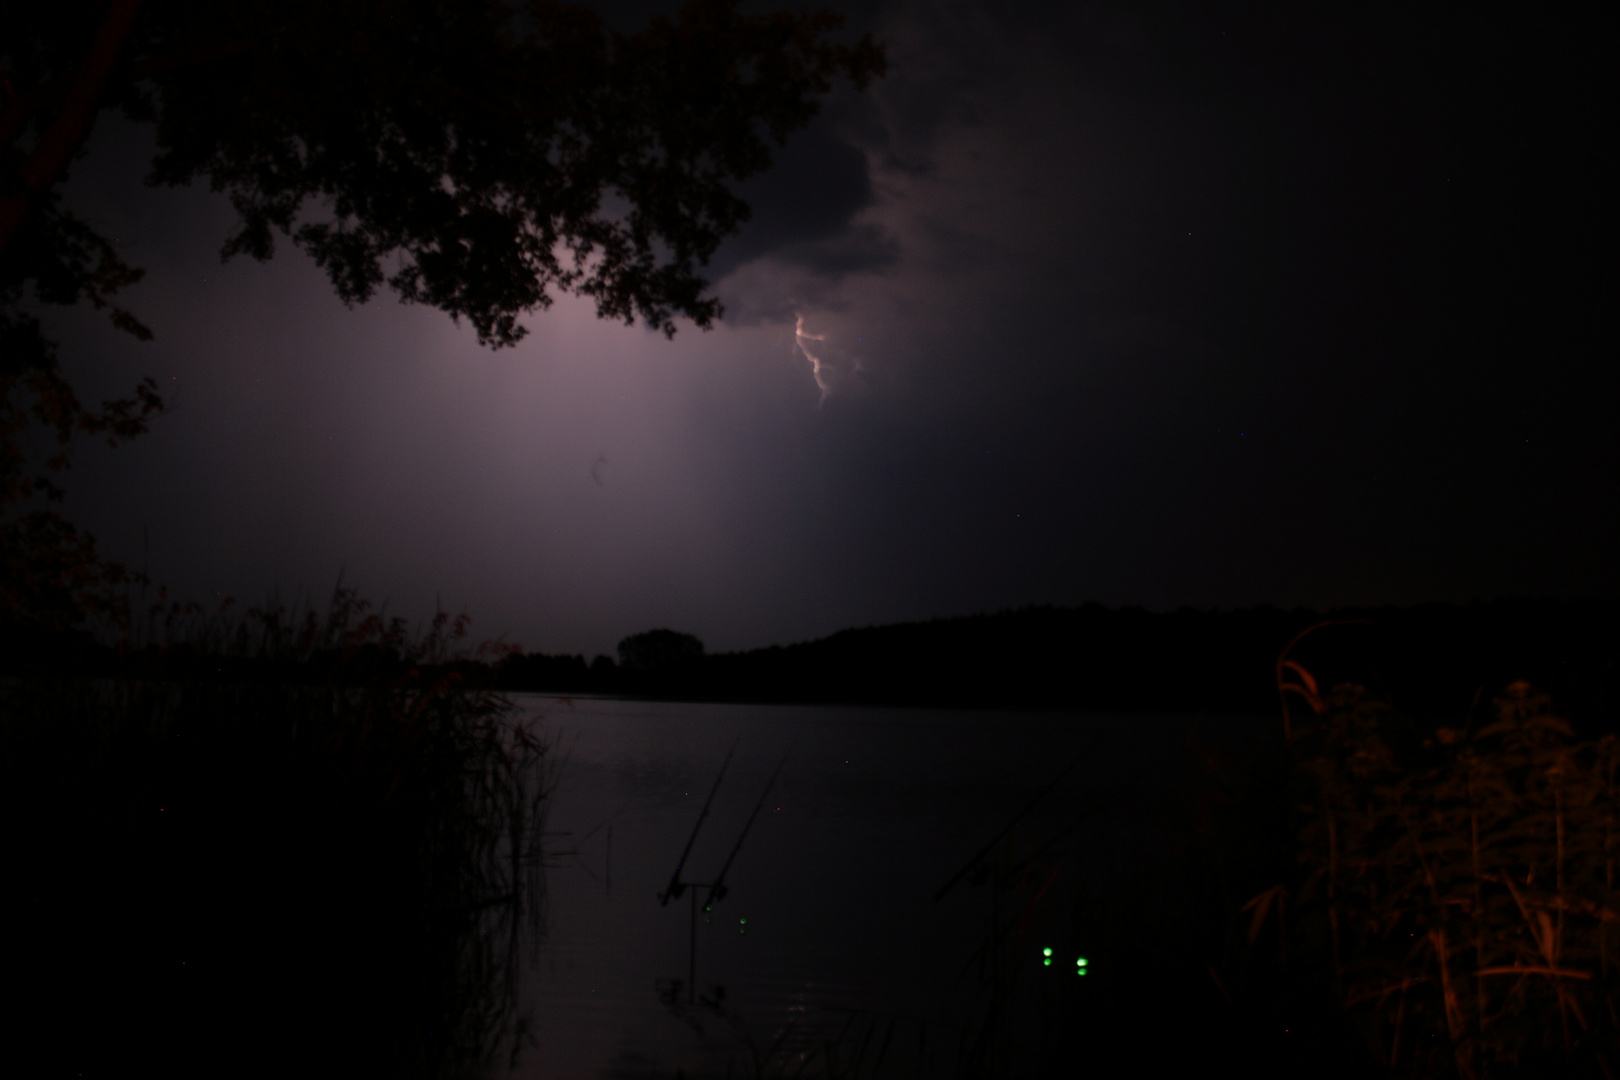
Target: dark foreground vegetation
[
  {"x": 1377, "y": 894},
  {"x": 306, "y": 845},
  {"x": 328, "y": 872}
]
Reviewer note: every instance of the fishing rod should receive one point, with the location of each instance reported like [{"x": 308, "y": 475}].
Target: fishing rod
[
  {"x": 979, "y": 856},
  {"x": 676, "y": 886},
  {"x": 717, "y": 888}
]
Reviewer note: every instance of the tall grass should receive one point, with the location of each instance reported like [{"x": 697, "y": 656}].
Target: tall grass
[
  {"x": 1459, "y": 885},
  {"x": 285, "y": 843}
]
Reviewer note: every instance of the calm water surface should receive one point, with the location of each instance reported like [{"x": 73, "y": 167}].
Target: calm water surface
[{"x": 830, "y": 924}]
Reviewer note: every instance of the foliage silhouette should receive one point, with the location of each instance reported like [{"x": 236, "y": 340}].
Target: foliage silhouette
[
  {"x": 1435, "y": 895},
  {"x": 1462, "y": 883},
  {"x": 659, "y": 663},
  {"x": 659, "y": 650},
  {"x": 332, "y": 871},
  {"x": 478, "y": 157}
]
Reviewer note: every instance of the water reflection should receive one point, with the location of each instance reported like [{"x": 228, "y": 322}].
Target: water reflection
[
  {"x": 913, "y": 893},
  {"x": 891, "y": 912}
]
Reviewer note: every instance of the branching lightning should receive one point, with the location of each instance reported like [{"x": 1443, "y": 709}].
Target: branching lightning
[{"x": 817, "y": 368}]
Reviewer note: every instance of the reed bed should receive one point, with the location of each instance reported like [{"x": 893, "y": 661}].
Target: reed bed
[
  {"x": 1458, "y": 885},
  {"x": 320, "y": 857}
]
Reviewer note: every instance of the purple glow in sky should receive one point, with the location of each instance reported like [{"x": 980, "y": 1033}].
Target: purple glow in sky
[{"x": 1159, "y": 305}]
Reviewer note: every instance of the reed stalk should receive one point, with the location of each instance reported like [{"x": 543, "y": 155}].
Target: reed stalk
[
  {"x": 1502, "y": 837},
  {"x": 276, "y": 843}
]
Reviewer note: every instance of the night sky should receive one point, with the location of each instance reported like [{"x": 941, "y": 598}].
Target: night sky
[{"x": 1152, "y": 304}]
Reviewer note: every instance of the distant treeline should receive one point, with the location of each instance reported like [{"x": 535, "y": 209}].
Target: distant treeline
[{"x": 1433, "y": 659}]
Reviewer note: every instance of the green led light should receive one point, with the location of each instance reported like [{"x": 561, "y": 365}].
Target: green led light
[
  {"x": 1047, "y": 961},
  {"x": 1080, "y": 966},
  {"x": 745, "y": 923},
  {"x": 1046, "y": 952}
]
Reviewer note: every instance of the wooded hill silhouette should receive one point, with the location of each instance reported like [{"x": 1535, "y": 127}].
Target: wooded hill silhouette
[{"x": 1430, "y": 659}]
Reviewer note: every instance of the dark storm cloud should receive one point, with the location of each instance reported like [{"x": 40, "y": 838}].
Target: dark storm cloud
[
  {"x": 1229, "y": 306},
  {"x": 803, "y": 210}
]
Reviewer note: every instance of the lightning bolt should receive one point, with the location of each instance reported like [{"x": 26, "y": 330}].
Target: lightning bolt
[{"x": 800, "y": 336}]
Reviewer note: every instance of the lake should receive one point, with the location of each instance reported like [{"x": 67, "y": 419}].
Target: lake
[{"x": 832, "y": 950}]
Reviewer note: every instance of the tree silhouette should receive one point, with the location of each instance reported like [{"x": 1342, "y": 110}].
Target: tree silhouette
[
  {"x": 659, "y": 652},
  {"x": 479, "y": 156}
]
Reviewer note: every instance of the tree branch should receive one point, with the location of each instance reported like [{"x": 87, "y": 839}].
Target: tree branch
[{"x": 45, "y": 164}]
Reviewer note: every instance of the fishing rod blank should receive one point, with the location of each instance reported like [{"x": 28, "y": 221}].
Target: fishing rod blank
[
  {"x": 676, "y": 887},
  {"x": 717, "y": 890}
]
